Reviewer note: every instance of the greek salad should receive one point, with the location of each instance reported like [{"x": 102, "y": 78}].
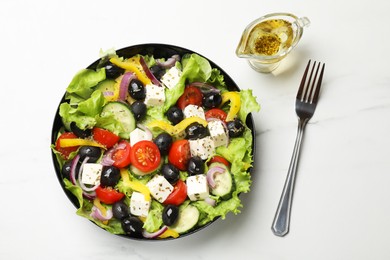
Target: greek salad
[{"x": 154, "y": 147}]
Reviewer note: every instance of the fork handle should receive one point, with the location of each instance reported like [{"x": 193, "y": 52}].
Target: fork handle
[{"x": 281, "y": 223}]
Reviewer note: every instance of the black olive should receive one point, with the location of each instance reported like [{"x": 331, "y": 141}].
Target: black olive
[
  {"x": 120, "y": 210},
  {"x": 235, "y": 128},
  {"x": 195, "y": 166},
  {"x": 113, "y": 71},
  {"x": 132, "y": 226},
  {"x": 65, "y": 171},
  {"x": 137, "y": 89},
  {"x": 80, "y": 132},
  {"x": 170, "y": 214},
  {"x": 110, "y": 176},
  {"x": 196, "y": 131},
  {"x": 175, "y": 115},
  {"x": 139, "y": 110},
  {"x": 163, "y": 142},
  {"x": 170, "y": 173},
  {"x": 92, "y": 152},
  {"x": 211, "y": 99},
  {"x": 157, "y": 71}
]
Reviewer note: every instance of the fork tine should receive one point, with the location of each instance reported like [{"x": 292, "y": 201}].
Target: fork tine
[
  {"x": 319, "y": 82},
  {"x": 311, "y": 84},
  {"x": 301, "y": 89}
]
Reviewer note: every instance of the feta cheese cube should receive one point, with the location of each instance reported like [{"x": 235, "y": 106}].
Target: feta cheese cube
[
  {"x": 159, "y": 188},
  {"x": 138, "y": 205},
  {"x": 171, "y": 77},
  {"x": 217, "y": 133},
  {"x": 197, "y": 187},
  {"x": 91, "y": 173},
  {"x": 155, "y": 95},
  {"x": 204, "y": 147},
  {"x": 194, "y": 110},
  {"x": 139, "y": 135}
]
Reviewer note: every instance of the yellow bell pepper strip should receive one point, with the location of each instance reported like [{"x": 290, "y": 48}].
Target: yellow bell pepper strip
[
  {"x": 177, "y": 129},
  {"x": 169, "y": 233},
  {"x": 235, "y": 103},
  {"x": 167, "y": 127},
  {"x": 134, "y": 184},
  {"x": 70, "y": 142},
  {"x": 103, "y": 210},
  {"x": 130, "y": 66}
]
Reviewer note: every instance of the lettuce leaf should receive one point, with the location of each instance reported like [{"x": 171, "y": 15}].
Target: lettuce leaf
[
  {"x": 85, "y": 113},
  {"x": 248, "y": 104},
  {"x": 81, "y": 86}
]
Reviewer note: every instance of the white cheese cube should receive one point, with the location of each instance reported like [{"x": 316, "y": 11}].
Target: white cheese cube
[
  {"x": 91, "y": 173},
  {"x": 159, "y": 188},
  {"x": 138, "y": 205},
  {"x": 194, "y": 110},
  {"x": 155, "y": 95},
  {"x": 171, "y": 77},
  {"x": 197, "y": 187},
  {"x": 204, "y": 147},
  {"x": 217, "y": 133},
  {"x": 139, "y": 135}
]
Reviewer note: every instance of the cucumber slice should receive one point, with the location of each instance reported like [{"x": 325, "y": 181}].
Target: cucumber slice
[
  {"x": 138, "y": 172},
  {"x": 107, "y": 87},
  {"x": 122, "y": 113},
  {"x": 223, "y": 182},
  {"x": 188, "y": 218}
]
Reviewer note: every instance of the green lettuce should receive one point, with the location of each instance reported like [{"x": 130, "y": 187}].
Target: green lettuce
[
  {"x": 81, "y": 86},
  {"x": 85, "y": 114}
]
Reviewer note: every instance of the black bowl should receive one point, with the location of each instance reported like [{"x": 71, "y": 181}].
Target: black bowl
[{"x": 160, "y": 51}]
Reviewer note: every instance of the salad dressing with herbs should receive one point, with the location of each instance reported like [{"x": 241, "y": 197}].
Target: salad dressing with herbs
[{"x": 270, "y": 37}]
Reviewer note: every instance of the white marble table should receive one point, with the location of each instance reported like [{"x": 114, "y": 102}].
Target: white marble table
[{"x": 341, "y": 205}]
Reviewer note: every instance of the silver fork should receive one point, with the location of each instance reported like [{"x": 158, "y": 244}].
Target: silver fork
[{"x": 305, "y": 105}]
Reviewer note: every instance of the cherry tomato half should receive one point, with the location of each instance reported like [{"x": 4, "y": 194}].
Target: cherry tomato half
[
  {"x": 219, "y": 159},
  {"x": 179, "y": 154},
  {"x": 66, "y": 151},
  {"x": 104, "y": 137},
  {"x": 145, "y": 156},
  {"x": 122, "y": 154},
  {"x": 178, "y": 195},
  {"x": 216, "y": 113},
  {"x": 108, "y": 195},
  {"x": 192, "y": 95}
]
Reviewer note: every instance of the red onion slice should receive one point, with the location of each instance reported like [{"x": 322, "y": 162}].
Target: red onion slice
[
  {"x": 73, "y": 166},
  {"x": 156, "y": 234},
  {"x": 97, "y": 214},
  {"x": 107, "y": 157},
  {"x": 149, "y": 135},
  {"x": 148, "y": 72},
  {"x": 108, "y": 93},
  {"x": 169, "y": 63},
  {"x": 211, "y": 175},
  {"x": 204, "y": 87},
  {"x": 124, "y": 85},
  {"x": 89, "y": 195},
  {"x": 210, "y": 201}
]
